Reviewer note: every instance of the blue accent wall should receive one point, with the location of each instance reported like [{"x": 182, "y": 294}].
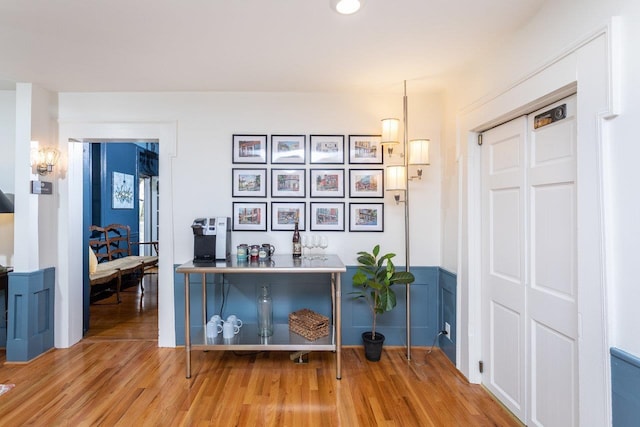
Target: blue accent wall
[
  {"x": 121, "y": 158},
  {"x": 625, "y": 388},
  {"x": 447, "y": 297},
  {"x": 291, "y": 292},
  {"x": 31, "y": 305}
]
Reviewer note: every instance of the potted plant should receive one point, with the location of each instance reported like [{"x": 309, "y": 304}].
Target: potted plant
[{"x": 374, "y": 278}]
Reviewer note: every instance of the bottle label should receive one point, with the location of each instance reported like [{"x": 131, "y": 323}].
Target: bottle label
[{"x": 297, "y": 249}]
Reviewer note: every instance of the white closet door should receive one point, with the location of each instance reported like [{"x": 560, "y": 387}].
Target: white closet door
[
  {"x": 503, "y": 263},
  {"x": 529, "y": 315},
  {"x": 552, "y": 284}
]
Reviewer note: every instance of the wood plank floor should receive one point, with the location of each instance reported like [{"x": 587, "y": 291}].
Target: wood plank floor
[{"x": 118, "y": 378}]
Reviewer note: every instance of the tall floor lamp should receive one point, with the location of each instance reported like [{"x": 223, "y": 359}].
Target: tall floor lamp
[{"x": 397, "y": 179}]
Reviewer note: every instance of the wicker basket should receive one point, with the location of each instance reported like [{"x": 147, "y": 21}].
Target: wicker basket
[{"x": 309, "y": 324}]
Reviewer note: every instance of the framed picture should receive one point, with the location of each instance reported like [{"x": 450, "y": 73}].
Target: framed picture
[
  {"x": 366, "y": 183},
  {"x": 249, "y": 216},
  {"x": 288, "y": 183},
  {"x": 327, "y": 182},
  {"x": 327, "y": 149},
  {"x": 283, "y": 216},
  {"x": 327, "y": 216},
  {"x": 365, "y": 149},
  {"x": 249, "y": 183},
  {"x": 122, "y": 191},
  {"x": 366, "y": 216},
  {"x": 288, "y": 148},
  {"x": 249, "y": 148}
]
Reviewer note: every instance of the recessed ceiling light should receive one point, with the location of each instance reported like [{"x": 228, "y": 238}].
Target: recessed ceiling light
[{"x": 346, "y": 7}]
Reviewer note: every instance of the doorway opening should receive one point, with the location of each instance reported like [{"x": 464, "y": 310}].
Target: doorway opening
[{"x": 107, "y": 164}]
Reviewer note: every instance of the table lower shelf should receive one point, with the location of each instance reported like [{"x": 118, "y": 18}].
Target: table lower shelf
[{"x": 248, "y": 339}]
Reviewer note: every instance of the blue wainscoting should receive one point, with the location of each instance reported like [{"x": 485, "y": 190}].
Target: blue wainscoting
[
  {"x": 447, "y": 296},
  {"x": 625, "y": 388},
  {"x": 292, "y": 292},
  {"x": 31, "y": 305}
]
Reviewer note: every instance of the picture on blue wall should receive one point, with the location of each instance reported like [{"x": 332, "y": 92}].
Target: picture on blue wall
[{"x": 122, "y": 191}]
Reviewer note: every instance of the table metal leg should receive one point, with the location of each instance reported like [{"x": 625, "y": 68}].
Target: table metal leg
[
  {"x": 204, "y": 299},
  {"x": 338, "y": 321},
  {"x": 187, "y": 323}
]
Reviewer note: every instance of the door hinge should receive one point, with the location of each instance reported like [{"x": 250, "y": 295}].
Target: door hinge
[
  {"x": 480, "y": 366},
  {"x": 479, "y": 139}
]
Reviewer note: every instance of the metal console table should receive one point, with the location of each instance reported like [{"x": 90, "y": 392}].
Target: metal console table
[{"x": 248, "y": 338}]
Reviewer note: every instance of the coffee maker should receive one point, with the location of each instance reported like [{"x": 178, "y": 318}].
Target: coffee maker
[{"x": 211, "y": 239}]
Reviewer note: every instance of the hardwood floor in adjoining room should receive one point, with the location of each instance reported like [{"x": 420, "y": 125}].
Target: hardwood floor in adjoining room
[{"x": 119, "y": 378}]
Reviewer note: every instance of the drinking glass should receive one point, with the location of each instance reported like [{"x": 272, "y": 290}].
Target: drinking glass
[
  {"x": 304, "y": 242},
  {"x": 315, "y": 243},
  {"x": 323, "y": 243}
]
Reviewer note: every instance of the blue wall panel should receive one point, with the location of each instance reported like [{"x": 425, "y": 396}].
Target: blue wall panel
[
  {"x": 291, "y": 292},
  {"x": 31, "y": 304},
  {"x": 625, "y": 388},
  {"x": 120, "y": 158},
  {"x": 447, "y": 296}
]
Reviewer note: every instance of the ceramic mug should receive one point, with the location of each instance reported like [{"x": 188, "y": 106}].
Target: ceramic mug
[
  {"x": 254, "y": 252},
  {"x": 269, "y": 249},
  {"x": 216, "y": 319},
  {"x": 233, "y": 319},
  {"x": 229, "y": 330},
  {"x": 213, "y": 329},
  {"x": 242, "y": 251}
]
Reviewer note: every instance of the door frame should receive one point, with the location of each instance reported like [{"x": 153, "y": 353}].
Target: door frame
[
  {"x": 68, "y": 300},
  {"x": 586, "y": 68}
]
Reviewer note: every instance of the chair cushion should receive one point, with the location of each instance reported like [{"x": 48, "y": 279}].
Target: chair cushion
[{"x": 93, "y": 261}]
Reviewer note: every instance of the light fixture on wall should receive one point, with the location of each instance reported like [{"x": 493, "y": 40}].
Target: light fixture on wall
[
  {"x": 6, "y": 205},
  {"x": 346, "y": 7},
  {"x": 397, "y": 179},
  {"x": 44, "y": 159}
]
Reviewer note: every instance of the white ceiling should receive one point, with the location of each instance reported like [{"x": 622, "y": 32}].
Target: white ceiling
[{"x": 246, "y": 45}]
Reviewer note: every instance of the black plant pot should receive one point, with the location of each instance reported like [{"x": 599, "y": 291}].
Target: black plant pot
[{"x": 372, "y": 347}]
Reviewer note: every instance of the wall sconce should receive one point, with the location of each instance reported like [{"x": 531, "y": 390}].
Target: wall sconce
[
  {"x": 346, "y": 7},
  {"x": 44, "y": 159}
]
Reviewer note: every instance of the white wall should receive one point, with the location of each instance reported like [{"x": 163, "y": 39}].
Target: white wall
[
  {"x": 202, "y": 168},
  {"x": 197, "y": 179},
  {"x": 7, "y": 150},
  {"x": 510, "y": 78}
]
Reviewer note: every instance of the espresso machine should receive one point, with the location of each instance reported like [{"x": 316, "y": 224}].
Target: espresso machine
[{"x": 211, "y": 239}]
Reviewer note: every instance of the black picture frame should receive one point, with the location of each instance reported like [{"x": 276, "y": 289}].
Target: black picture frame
[
  {"x": 366, "y": 149},
  {"x": 248, "y": 182},
  {"x": 327, "y": 183},
  {"x": 326, "y": 149},
  {"x": 283, "y": 216},
  {"x": 249, "y": 216},
  {"x": 367, "y": 217},
  {"x": 288, "y": 149},
  {"x": 326, "y": 216},
  {"x": 366, "y": 183},
  {"x": 288, "y": 183},
  {"x": 249, "y": 148}
]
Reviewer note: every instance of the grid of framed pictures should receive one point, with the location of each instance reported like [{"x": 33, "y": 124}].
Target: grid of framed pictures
[{"x": 313, "y": 172}]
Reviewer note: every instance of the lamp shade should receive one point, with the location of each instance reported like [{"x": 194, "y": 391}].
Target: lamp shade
[
  {"x": 419, "y": 152},
  {"x": 6, "y": 206},
  {"x": 390, "y": 131},
  {"x": 395, "y": 179}
]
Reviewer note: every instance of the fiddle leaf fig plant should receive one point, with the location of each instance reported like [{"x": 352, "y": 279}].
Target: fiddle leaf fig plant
[{"x": 374, "y": 277}]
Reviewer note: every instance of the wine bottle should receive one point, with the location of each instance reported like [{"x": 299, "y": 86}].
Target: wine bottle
[{"x": 297, "y": 246}]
